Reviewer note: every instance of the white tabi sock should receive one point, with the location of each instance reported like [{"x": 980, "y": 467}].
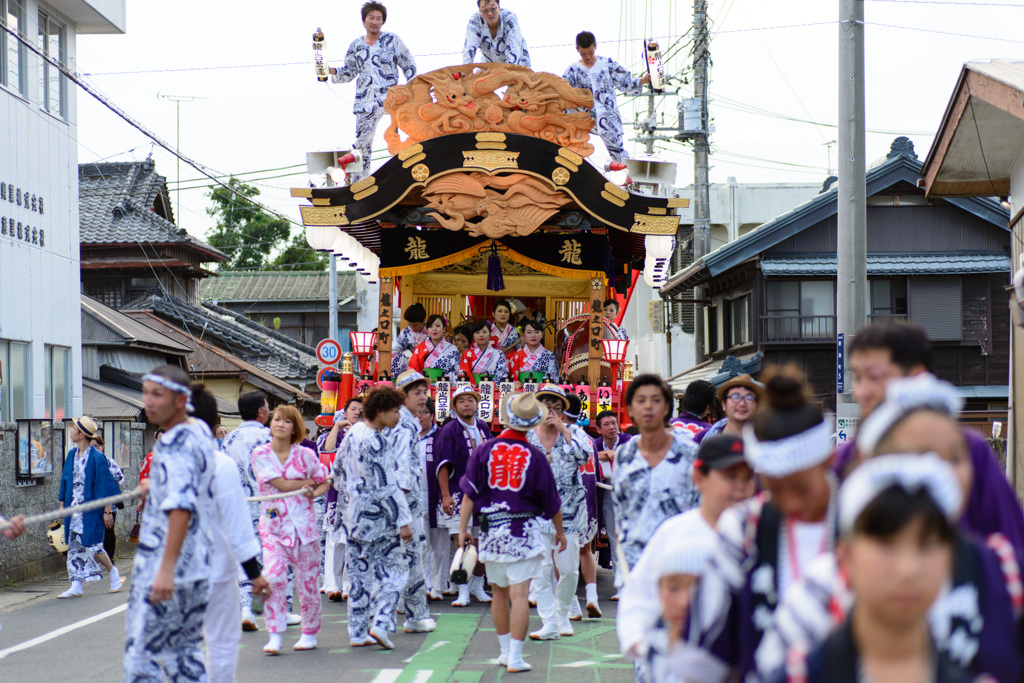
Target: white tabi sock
[
  {"x": 515, "y": 650},
  {"x": 592, "y": 593},
  {"x": 503, "y": 641}
]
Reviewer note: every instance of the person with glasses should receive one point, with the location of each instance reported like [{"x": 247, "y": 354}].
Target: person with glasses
[
  {"x": 495, "y": 33},
  {"x": 739, "y": 397}
]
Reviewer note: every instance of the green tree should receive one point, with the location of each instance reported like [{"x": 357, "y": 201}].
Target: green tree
[
  {"x": 298, "y": 255},
  {"x": 244, "y": 230}
]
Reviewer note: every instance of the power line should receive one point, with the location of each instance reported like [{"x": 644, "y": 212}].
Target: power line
[
  {"x": 944, "y": 33},
  {"x": 953, "y": 2}
]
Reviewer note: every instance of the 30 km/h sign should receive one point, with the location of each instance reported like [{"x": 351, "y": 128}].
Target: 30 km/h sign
[{"x": 328, "y": 352}]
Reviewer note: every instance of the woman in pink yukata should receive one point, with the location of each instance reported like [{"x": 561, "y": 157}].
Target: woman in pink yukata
[{"x": 288, "y": 526}]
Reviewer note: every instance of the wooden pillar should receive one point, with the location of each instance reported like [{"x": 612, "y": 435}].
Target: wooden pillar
[
  {"x": 595, "y": 334},
  {"x": 385, "y": 333}
]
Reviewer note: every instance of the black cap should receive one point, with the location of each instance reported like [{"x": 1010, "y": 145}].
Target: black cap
[{"x": 720, "y": 452}]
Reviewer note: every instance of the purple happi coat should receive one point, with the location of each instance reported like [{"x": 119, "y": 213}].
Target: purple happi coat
[
  {"x": 513, "y": 489},
  {"x": 452, "y": 448}
]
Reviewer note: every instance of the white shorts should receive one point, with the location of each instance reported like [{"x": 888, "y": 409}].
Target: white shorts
[{"x": 505, "y": 574}]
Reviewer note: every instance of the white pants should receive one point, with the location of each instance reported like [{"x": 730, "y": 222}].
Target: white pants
[
  {"x": 335, "y": 573},
  {"x": 439, "y": 559},
  {"x": 553, "y": 602},
  {"x": 222, "y": 632},
  {"x": 613, "y": 536}
]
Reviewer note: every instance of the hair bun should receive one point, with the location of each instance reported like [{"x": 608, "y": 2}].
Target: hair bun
[{"x": 785, "y": 388}]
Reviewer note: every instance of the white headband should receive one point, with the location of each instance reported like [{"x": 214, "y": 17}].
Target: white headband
[
  {"x": 903, "y": 396},
  {"x": 783, "y": 457},
  {"x": 686, "y": 555},
  {"x": 911, "y": 473},
  {"x": 173, "y": 386}
]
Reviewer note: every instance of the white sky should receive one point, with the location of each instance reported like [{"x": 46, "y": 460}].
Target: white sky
[{"x": 770, "y": 66}]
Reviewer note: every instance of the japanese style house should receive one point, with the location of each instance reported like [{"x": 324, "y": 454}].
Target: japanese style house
[{"x": 940, "y": 263}]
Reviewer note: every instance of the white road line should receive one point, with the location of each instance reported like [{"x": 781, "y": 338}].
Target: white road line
[
  {"x": 387, "y": 676},
  {"x": 61, "y": 631},
  {"x": 440, "y": 643},
  {"x": 576, "y": 665},
  {"x": 423, "y": 675}
]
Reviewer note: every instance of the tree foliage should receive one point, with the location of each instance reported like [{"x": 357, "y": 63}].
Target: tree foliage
[
  {"x": 298, "y": 255},
  {"x": 244, "y": 230}
]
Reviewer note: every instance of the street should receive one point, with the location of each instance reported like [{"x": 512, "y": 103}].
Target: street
[{"x": 82, "y": 640}]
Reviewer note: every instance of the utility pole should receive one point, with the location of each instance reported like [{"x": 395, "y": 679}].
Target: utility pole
[
  {"x": 701, "y": 186},
  {"x": 178, "y": 99},
  {"x": 851, "y": 231}
]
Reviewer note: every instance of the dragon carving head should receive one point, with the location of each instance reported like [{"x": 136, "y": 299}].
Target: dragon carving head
[{"x": 453, "y": 95}]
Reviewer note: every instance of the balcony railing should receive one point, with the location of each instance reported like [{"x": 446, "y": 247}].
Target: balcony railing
[
  {"x": 798, "y": 328},
  {"x": 882, "y": 316}
]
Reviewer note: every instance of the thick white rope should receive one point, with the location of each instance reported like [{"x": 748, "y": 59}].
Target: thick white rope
[{"x": 121, "y": 498}]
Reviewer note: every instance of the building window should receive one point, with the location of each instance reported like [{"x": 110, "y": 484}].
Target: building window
[
  {"x": 12, "y": 54},
  {"x": 14, "y": 373},
  {"x": 799, "y": 311},
  {"x": 888, "y": 298},
  {"x": 52, "y": 84},
  {"x": 117, "y": 437},
  {"x": 936, "y": 305},
  {"x": 58, "y": 383},
  {"x": 737, "y": 321}
]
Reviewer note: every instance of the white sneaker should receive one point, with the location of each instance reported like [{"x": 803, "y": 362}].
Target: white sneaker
[
  {"x": 546, "y": 633},
  {"x": 249, "y": 620},
  {"x": 420, "y": 625},
  {"x": 518, "y": 666},
  {"x": 306, "y": 642},
  {"x": 382, "y": 638},
  {"x": 294, "y": 619}
]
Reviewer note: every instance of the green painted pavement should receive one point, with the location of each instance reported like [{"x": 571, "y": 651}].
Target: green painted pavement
[{"x": 443, "y": 650}]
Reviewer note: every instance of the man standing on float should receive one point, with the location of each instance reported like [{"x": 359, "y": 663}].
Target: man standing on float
[
  {"x": 603, "y": 77},
  {"x": 496, "y": 34},
  {"x": 375, "y": 59}
]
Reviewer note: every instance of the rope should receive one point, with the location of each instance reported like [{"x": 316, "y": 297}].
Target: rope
[{"x": 121, "y": 498}]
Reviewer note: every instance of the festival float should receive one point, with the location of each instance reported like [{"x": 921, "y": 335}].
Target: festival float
[{"x": 489, "y": 195}]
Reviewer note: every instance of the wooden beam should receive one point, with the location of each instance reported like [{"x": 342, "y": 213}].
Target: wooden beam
[{"x": 385, "y": 335}]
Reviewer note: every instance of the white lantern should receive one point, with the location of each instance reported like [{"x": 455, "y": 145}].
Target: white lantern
[
  {"x": 321, "y": 237},
  {"x": 659, "y": 246}
]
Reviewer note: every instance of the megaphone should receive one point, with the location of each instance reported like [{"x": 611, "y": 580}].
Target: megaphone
[{"x": 463, "y": 564}]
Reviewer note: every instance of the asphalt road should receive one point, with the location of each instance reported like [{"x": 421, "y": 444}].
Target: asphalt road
[{"x": 45, "y": 639}]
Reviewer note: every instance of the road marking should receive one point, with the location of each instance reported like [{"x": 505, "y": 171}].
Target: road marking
[
  {"x": 423, "y": 676},
  {"x": 387, "y": 676},
  {"x": 39, "y": 640},
  {"x": 576, "y": 665},
  {"x": 421, "y": 651},
  {"x": 442, "y": 651}
]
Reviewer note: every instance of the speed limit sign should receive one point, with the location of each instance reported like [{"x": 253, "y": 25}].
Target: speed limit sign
[{"x": 328, "y": 352}]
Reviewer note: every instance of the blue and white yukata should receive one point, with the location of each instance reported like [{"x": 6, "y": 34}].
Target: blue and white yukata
[
  {"x": 375, "y": 68},
  {"x": 565, "y": 458},
  {"x": 372, "y": 510},
  {"x": 507, "y": 47},
  {"x": 239, "y": 444},
  {"x": 404, "y": 440},
  {"x": 603, "y": 80},
  {"x": 407, "y": 340},
  {"x": 643, "y": 496},
  {"x": 86, "y": 477},
  {"x": 163, "y": 640}
]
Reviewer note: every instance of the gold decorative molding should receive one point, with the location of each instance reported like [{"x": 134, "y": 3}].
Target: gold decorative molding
[
  {"x": 570, "y": 155},
  {"x": 568, "y": 164},
  {"x": 655, "y": 225},
  {"x": 515, "y": 204},
  {"x": 365, "y": 193},
  {"x": 412, "y": 161},
  {"x": 420, "y": 172},
  {"x": 306, "y": 192},
  {"x": 490, "y": 160},
  {"x": 321, "y": 201},
  {"x": 466, "y": 99},
  {"x": 658, "y": 211},
  {"x": 560, "y": 176},
  {"x": 323, "y": 215},
  {"x": 612, "y": 198},
  {"x": 490, "y": 137},
  {"x": 679, "y": 203},
  {"x": 491, "y": 145},
  {"x": 617, "y": 191},
  {"x": 358, "y": 187},
  {"x": 409, "y": 151}
]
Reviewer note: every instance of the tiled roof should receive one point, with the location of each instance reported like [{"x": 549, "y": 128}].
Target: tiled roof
[
  {"x": 893, "y": 264},
  {"x": 104, "y": 325},
  {"x": 270, "y": 351},
  {"x": 118, "y": 205},
  {"x": 717, "y": 373},
  {"x": 276, "y": 286}
]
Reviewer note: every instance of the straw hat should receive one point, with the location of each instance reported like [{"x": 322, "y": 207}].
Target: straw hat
[
  {"x": 465, "y": 391},
  {"x": 555, "y": 391},
  {"x": 745, "y": 381},
  {"x": 408, "y": 378},
  {"x": 86, "y": 425},
  {"x": 523, "y": 412}
]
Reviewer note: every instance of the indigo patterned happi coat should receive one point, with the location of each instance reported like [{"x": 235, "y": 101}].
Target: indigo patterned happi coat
[{"x": 507, "y": 47}]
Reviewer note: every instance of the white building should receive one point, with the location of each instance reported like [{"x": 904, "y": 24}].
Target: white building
[
  {"x": 736, "y": 209},
  {"x": 40, "y": 307}
]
